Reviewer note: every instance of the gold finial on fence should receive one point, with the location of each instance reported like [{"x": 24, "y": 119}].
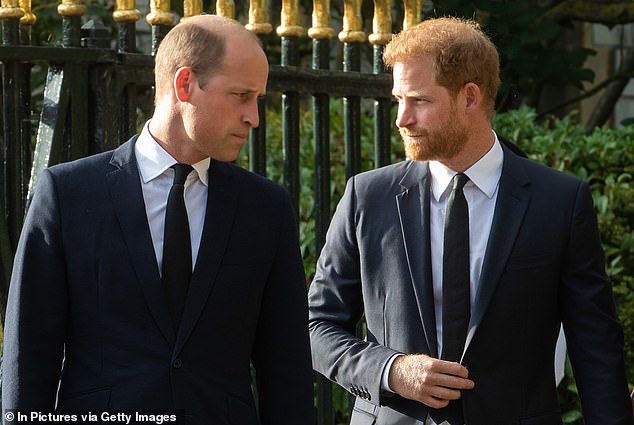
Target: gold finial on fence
[
  {"x": 29, "y": 17},
  {"x": 192, "y": 8},
  {"x": 71, "y": 8},
  {"x": 381, "y": 22},
  {"x": 126, "y": 11},
  {"x": 412, "y": 13},
  {"x": 160, "y": 13},
  {"x": 321, "y": 20},
  {"x": 226, "y": 8},
  {"x": 352, "y": 22},
  {"x": 290, "y": 20},
  {"x": 10, "y": 9},
  {"x": 259, "y": 18}
]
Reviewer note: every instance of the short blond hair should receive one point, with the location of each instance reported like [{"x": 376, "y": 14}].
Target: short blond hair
[
  {"x": 461, "y": 52},
  {"x": 198, "y": 42}
]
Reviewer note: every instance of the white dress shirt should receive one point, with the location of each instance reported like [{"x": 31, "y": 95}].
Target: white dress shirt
[
  {"x": 156, "y": 180},
  {"x": 481, "y": 194}
]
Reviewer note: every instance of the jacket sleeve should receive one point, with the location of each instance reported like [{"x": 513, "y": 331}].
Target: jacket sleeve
[
  {"x": 336, "y": 305},
  {"x": 594, "y": 334},
  {"x": 282, "y": 348},
  {"x": 35, "y": 324}
]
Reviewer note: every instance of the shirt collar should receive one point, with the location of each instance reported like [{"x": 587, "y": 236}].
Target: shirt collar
[
  {"x": 153, "y": 160},
  {"x": 484, "y": 174}
]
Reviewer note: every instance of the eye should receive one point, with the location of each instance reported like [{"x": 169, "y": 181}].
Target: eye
[{"x": 247, "y": 96}]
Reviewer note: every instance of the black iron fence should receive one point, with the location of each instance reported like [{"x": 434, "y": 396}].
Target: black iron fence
[{"x": 91, "y": 98}]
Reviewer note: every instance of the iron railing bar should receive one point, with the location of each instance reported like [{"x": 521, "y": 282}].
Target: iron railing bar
[
  {"x": 57, "y": 55},
  {"x": 289, "y": 78},
  {"x": 10, "y": 178},
  {"x": 6, "y": 260},
  {"x": 127, "y": 45},
  {"x": 352, "y": 112},
  {"x": 290, "y": 126},
  {"x": 321, "y": 135},
  {"x": 382, "y": 108},
  {"x": 71, "y": 30},
  {"x": 333, "y": 83},
  {"x": 257, "y": 139},
  {"x": 13, "y": 154},
  {"x": 257, "y": 142},
  {"x": 137, "y": 75},
  {"x": 78, "y": 141}
]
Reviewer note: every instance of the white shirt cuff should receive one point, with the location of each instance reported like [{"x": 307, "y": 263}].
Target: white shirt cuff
[{"x": 385, "y": 385}]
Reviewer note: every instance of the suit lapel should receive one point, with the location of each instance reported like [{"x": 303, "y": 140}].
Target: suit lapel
[
  {"x": 222, "y": 200},
  {"x": 413, "y": 209},
  {"x": 512, "y": 201},
  {"x": 124, "y": 184}
]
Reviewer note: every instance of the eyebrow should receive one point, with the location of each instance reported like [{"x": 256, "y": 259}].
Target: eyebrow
[
  {"x": 411, "y": 94},
  {"x": 243, "y": 89}
]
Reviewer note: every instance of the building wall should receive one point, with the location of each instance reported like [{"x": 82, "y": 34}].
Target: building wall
[{"x": 609, "y": 44}]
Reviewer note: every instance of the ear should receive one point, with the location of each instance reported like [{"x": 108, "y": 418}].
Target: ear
[
  {"x": 473, "y": 96},
  {"x": 183, "y": 83}
]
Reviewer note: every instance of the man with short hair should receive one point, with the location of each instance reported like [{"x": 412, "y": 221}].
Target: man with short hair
[
  {"x": 463, "y": 260},
  {"x": 93, "y": 321}
]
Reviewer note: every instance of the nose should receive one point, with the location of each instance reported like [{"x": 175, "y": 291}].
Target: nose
[
  {"x": 404, "y": 116},
  {"x": 252, "y": 114}
]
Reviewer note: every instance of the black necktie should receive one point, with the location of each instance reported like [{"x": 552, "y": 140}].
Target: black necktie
[
  {"x": 177, "y": 255},
  {"x": 456, "y": 301}
]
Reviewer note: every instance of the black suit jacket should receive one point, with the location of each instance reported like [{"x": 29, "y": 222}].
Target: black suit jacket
[
  {"x": 543, "y": 265},
  {"x": 86, "y": 289}
]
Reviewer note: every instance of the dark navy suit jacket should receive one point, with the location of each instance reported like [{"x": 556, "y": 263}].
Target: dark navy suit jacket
[
  {"x": 543, "y": 265},
  {"x": 86, "y": 291}
]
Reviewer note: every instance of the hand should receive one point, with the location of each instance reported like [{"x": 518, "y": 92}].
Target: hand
[{"x": 428, "y": 380}]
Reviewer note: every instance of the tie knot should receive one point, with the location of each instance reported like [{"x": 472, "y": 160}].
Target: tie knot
[
  {"x": 181, "y": 171},
  {"x": 459, "y": 180}
]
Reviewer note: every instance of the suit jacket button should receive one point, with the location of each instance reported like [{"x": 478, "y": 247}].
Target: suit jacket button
[{"x": 177, "y": 364}]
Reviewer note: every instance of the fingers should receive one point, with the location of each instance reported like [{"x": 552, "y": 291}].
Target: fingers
[
  {"x": 449, "y": 377},
  {"x": 433, "y": 402},
  {"x": 428, "y": 380},
  {"x": 446, "y": 367},
  {"x": 440, "y": 396}
]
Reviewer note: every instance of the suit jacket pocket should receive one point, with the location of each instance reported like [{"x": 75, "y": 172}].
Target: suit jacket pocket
[
  {"x": 241, "y": 412},
  {"x": 363, "y": 413},
  {"x": 96, "y": 398}
]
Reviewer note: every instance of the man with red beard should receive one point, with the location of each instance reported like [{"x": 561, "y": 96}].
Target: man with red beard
[{"x": 464, "y": 260}]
